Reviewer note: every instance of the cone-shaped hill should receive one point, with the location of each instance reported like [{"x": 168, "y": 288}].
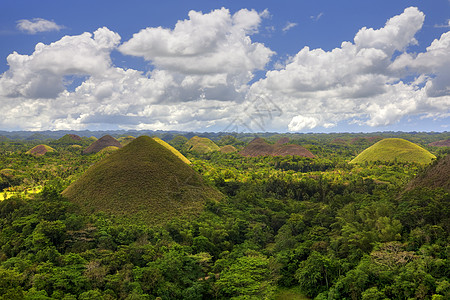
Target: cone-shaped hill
[
  {"x": 173, "y": 150},
  {"x": 201, "y": 145},
  {"x": 394, "y": 149},
  {"x": 69, "y": 139},
  {"x": 259, "y": 147},
  {"x": 144, "y": 180},
  {"x": 437, "y": 175},
  {"x": 101, "y": 143},
  {"x": 40, "y": 150},
  {"x": 228, "y": 149}
]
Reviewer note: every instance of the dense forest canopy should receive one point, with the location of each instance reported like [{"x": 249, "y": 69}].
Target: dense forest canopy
[{"x": 283, "y": 227}]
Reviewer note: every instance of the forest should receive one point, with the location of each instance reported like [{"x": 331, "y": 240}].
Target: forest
[{"x": 281, "y": 227}]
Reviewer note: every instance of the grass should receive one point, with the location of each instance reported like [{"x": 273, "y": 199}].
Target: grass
[
  {"x": 8, "y": 194},
  {"x": 173, "y": 150},
  {"x": 201, "y": 145},
  {"x": 394, "y": 149},
  {"x": 143, "y": 179}
]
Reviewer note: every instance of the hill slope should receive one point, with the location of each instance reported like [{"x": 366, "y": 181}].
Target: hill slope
[
  {"x": 101, "y": 143},
  {"x": 201, "y": 145},
  {"x": 40, "y": 150},
  {"x": 173, "y": 150},
  {"x": 392, "y": 149},
  {"x": 144, "y": 180},
  {"x": 442, "y": 143},
  {"x": 436, "y": 175}
]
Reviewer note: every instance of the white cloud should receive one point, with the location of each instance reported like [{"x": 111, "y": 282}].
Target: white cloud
[
  {"x": 212, "y": 43},
  {"x": 316, "y": 18},
  {"x": 289, "y": 25},
  {"x": 359, "y": 82},
  {"x": 202, "y": 69},
  {"x": 38, "y": 25}
]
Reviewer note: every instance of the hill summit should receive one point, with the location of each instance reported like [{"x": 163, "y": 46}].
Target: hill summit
[
  {"x": 201, "y": 145},
  {"x": 40, "y": 150},
  {"x": 394, "y": 149},
  {"x": 144, "y": 180},
  {"x": 102, "y": 143}
]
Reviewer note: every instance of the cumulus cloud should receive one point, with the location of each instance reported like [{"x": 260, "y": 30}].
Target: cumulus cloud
[
  {"x": 212, "y": 43},
  {"x": 202, "y": 69},
  {"x": 362, "y": 82},
  {"x": 38, "y": 25}
]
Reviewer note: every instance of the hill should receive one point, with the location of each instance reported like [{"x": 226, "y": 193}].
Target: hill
[
  {"x": 40, "y": 150},
  {"x": 394, "y": 149},
  {"x": 124, "y": 140},
  {"x": 144, "y": 180},
  {"x": 228, "y": 149},
  {"x": 442, "y": 143},
  {"x": 201, "y": 145},
  {"x": 173, "y": 150},
  {"x": 259, "y": 147},
  {"x": 68, "y": 139},
  {"x": 101, "y": 143},
  {"x": 437, "y": 175}
]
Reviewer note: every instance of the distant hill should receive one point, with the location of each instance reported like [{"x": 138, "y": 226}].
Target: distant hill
[
  {"x": 40, "y": 150},
  {"x": 201, "y": 145},
  {"x": 124, "y": 140},
  {"x": 442, "y": 143},
  {"x": 101, "y": 143},
  {"x": 283, "y": 140},
  {"x": 392, "y": 149},
  {"x": 437, "y": 175},
  {"x": 144, "y": 180},
  {"x": 228, "y": 149},
  {"x": 173, "y": 150},
  {"x": 69, "y": 139},
  {"x": 259, "y": 147}
]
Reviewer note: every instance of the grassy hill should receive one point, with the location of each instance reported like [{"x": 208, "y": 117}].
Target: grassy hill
[
  {"x": 144, "y": 180},
  {"x": 392, "y": 149},
  {"x": 40, "y": 150},
  {"x": 201, "y": 145},
  {"x": 101, "y": 143},
  {"x": 228, "y": 149},
  {"x": 173, "y": 150}
]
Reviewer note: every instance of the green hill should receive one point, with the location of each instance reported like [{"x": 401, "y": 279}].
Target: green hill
[
  {"x": 201, "y": 145},
  {"x": 394, "y": 149},
  {"x": 144, "y": 180},
  {"x": 173, "y": 150}
]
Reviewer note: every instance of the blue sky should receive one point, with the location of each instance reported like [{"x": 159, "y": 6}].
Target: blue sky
[{"x": 288, "y": 66}]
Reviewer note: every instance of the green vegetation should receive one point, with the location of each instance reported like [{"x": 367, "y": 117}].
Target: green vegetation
[
  {"x": 201, "y": 145},
  {"x": 173, "y": 150},
  {"x": 394, "y": 149},
  {"x": 143, "y": 179},
  {"x": 138, "y": 223}
]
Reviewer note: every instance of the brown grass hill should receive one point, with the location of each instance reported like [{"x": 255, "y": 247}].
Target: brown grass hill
[
  {"x": 101, "y": 143},
  {"x": 143, "y": 180},
  {"x": 259, "y": 147},
  {"x": 394, "y": 149},
  {"x": 436, "y": 175},
  {"x": 291, "y": 149},
  {"x": 228, "y": 149},
  {"x": 201, "y": 145},
  {"x": 40, "y": 150},
  {"x": 442, "y": 143},
  {"x": 282, "y": 141}
]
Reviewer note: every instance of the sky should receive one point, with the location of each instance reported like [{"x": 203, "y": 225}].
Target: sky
[{"x": 238, "y": 66}]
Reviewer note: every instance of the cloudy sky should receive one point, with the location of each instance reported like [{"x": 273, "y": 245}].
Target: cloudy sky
[{"x": 287, "y": 66}]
